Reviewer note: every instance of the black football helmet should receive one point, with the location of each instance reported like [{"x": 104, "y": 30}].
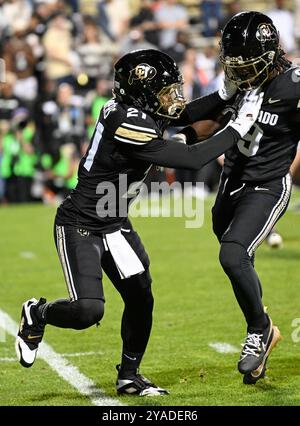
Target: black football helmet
[
  {"x": 249, "y": 49},
  {"x": 150, "y": 80}
]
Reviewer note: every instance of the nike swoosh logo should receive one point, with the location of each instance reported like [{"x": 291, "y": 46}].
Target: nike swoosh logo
[
  {"x": 258, "y": 188},
  {"x": 237, "y": 190},
  {"x": 273, "y": 101},
  {"x": 34, "y": 337},
  {"x": 129, "y": 357}
]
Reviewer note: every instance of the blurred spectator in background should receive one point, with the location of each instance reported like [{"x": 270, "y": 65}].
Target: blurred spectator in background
[
  {"x": 95, "y": 55},
  {"x": 8, "y": 101},
  {"x": 104, "y": 20},
  {"x": 144, "y": 20},
  {"x": 60, "y": 59},
  {"x": 15, "y": 15},
  {"x": 135, "y": 41},
  {"x": 232, "y": 9},
  {"x": 64, "y": 123},
  {"x": 192, "y": 86},
  {"x": 18, "y": 157},
  {"x": 285, "y": 23},
  {"x": 216, "y": 82},
  {"x": 20, "y": 61},
  {"x": 64, "y": 119},
  {"x": 177, "y": 51},
  {"x": 171, "y": 18},
  {"x": 74, "y": 4},
  {"x": 95, "y": 100},
  {"x": 40, "y": 18},
  {"x": 118, "y": 12},
  {"x": 60, "y": 175},
  {"x": 8, "y": 105},
  {"x": 211, "y": 16},
  {"x": 43, "y": 118},
  {"x": 192, "y": 89},
  {"x": 206, "y": 64}
]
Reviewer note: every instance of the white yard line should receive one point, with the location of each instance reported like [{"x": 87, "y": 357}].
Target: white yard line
[
  {"x": 224, "y": 348},
  {"x": 67, "y": 355},
  {"x": 79, "y": 354},
  {"x": 27, "y": 255},
  {"x": 63, "y": 367},
  {"x": 7, "y": 359}
]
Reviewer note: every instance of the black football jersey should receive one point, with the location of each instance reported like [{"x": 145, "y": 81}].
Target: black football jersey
[
  {"x": 125, "y": 144},
  {"x": 108, "y": 179},
  {"x": 268, "y": 149}
]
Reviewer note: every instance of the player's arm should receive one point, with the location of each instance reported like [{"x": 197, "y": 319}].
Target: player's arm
[
  {"x": 204, "y": 129},
  {"x": 202, "y": 108},
  {"x": 207, "y": 107},
  {"x": 170, "y": 153}
]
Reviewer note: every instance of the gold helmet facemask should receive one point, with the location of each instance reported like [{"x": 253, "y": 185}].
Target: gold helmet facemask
[
  {"x": 248, "y": 74},
  {"x": 171, "y": 101}
]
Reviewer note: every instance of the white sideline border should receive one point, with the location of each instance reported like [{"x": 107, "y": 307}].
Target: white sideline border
[{"x": 63, "y": 368}]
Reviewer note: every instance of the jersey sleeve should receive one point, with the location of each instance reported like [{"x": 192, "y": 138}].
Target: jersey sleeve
[
  {"x": 204, "y": 108},
  {"x": 135, "y": 128},
  {"x": 289, "y": 90},
  {"x": 169, "y": 153}
]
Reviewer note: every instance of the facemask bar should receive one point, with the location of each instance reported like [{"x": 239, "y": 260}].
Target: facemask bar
[
  {"x": 171, "y": 101},
  {"x": 253, "y": 68}
]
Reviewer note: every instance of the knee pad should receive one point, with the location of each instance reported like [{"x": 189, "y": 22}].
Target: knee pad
[
  {"x": 232, "y": 256},
  {"x": 137, "y": 290},
  {"x": 143, "y": 280},
  {"x": 87, "y": 312}
]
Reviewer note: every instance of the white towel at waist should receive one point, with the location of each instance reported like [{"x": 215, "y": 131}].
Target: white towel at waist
[{"x": 124, "y": 256}]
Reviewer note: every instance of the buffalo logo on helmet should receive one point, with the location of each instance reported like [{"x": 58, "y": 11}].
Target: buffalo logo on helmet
[
  {"x": 142, "y": 72},
  {"x": 265, "y": 32}
]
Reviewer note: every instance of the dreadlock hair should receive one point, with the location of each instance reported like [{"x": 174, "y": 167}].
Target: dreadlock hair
[{"x": 282, "y": 63}]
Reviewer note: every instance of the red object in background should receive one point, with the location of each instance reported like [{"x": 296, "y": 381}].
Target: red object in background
[{"x": 170, "y": 175}]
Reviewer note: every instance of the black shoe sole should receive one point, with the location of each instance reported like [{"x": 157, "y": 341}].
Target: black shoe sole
[{"x": 250, "y": 380}]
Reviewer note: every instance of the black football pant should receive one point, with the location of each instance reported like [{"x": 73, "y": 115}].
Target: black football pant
[
  {"x": 243, "y": 216},
  {"x": 83, "y": 255}
]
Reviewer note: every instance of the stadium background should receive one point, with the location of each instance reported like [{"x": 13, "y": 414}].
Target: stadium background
[{"x": 59, "y": 57}]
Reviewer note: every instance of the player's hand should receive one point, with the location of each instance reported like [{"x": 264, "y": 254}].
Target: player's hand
[
  {"x": 228, "y": 90},
  {"x": 248, "y": 112},
  {"x": 179, "y": 137}
]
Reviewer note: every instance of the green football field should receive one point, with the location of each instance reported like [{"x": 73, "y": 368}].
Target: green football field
[{"x": 197, "y": 327}]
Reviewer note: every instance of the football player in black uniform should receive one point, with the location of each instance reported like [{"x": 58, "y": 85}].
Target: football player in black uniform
[
  {"x": 92, "y": 231},
  {"x": 255, "y": 186}
]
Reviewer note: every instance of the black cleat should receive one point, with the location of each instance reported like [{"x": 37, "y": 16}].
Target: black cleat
[
  {"x": 256, "y": 350},
  {"x": 250, "y": 379},
  {"x": 137, "y": 385},
  {"x": 260, "y": 372},
  {"x": 30, "y": 333}
]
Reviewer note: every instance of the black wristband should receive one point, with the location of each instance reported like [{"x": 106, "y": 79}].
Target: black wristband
[{"x": 191, "y": 135}]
